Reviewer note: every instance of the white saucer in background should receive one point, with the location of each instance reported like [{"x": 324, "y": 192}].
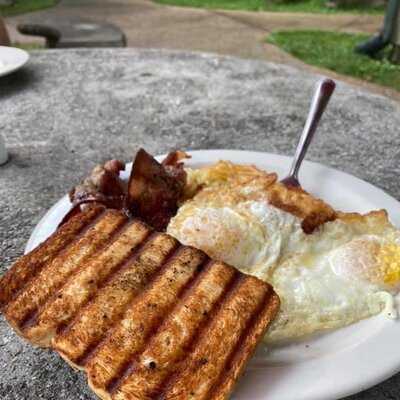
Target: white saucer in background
[{"x": 11, "y": 59}]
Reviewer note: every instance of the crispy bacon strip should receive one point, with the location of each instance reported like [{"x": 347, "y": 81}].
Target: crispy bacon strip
[
  {"x": 154, "y": 189},
  {"x": 174, "y": 158},
  {"x": 103, "y": 186},
  {"x": 152, "y": 194}
]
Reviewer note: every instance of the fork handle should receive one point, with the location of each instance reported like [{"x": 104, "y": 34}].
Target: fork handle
[{"x": 321, "y": 98}]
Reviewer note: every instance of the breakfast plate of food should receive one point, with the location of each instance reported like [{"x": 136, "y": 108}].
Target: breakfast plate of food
[
  {"x": 169, "y": 277},
  {"x": 331, "y": 256}
]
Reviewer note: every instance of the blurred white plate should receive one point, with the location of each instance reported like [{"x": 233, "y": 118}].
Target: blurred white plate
[
  {"x": 327, "y": 367},
  {"x": 12, "y": 59}
]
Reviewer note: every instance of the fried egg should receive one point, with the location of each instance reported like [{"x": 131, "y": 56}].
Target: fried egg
[{"x": 346, "y": 270}]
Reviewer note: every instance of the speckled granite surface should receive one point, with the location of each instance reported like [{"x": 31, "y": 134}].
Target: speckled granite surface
[{"x": 68, "y": 110}]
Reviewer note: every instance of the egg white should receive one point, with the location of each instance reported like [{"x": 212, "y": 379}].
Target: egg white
[{"x": 325, "y": 280}]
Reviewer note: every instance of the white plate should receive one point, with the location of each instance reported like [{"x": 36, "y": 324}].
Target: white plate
[
  {"x": 12, "y": 59},
  {"x": 333, "y": 365}
]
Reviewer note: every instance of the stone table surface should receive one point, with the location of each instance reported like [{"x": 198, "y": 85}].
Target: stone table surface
[{"x": 68, "y": 110}]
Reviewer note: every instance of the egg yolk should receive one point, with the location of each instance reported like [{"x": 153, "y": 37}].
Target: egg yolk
[
  {"x": 388, "y": 259},
  {"x": 371, "y": 260}
]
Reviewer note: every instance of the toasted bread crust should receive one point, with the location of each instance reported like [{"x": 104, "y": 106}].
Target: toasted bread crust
[
  {"x": 29, "y": 265},
  {"x": 22, "y": 311},
  {"x": 238, "y": 361},
  {"x": 83, "y": 285},
  {"x": 137, "y": 310},
  {"x": 218, "y": 343}
]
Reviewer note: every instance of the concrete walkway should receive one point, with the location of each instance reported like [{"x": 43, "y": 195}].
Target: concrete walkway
[{"x": 238, "y": 33}]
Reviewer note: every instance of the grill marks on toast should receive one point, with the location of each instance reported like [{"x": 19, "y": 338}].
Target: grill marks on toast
[
  {"x": 84, "y": 283},
  {"x": 22, "y": 310},
  {"x": 112, "y": 361},
  {"x": 245, "y": 347},
  {"x": 145, "y": 316},
  {"x": 167, "y": 348},
  {"x": 29, "y": 265},
  {"x": 217, "y": 342},
  {"x": 107, "y": 308}
]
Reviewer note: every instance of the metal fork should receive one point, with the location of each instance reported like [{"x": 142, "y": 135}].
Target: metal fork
[{"x": 319, "y": 102}]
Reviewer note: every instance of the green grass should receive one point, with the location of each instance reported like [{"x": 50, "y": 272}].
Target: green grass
[
  {"x": 312, "y": 6},
  {"x": 28, "y": 46},
  {"x": 24, "y": 6},
  {"x": 335, "y": 51}
]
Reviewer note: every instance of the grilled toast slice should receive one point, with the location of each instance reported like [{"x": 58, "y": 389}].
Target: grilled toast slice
[{"x": 143, "y": 315}]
